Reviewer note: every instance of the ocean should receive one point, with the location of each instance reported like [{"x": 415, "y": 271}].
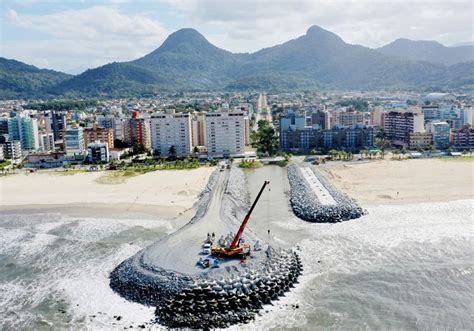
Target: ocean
[{"x": 398, "y": 267}]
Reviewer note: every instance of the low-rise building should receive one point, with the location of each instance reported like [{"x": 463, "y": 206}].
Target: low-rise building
[
  {"x": 337, "y": 138},
  {"x": 98, "y": 152},
  {"x": 43, "y": 160},
  {"x": 12, "y": 150},
  {"x": 420, "y": 140}
]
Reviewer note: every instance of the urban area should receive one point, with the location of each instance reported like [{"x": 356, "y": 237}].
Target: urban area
[{"x": 181, "y": 130}]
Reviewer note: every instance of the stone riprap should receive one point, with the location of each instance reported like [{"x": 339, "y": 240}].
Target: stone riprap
[
  {"x": 214, "y": 297},
  {"x": 309, "y": 200}
]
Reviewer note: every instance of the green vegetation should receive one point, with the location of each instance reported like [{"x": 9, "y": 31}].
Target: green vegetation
[
  {"x": 20, "y": 80},
  {"x": 62, "y": 105},
  {"x": 250, "y": 164},
  {"x": 357, "y": 104},
  {"x": 265, "y": 139},
  {"x": 5, "y": 164}
]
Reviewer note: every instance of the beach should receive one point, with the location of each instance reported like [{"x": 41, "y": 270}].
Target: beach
[
  {"x": 406, "y": 181},
  {"x": 166, "y": 193}
]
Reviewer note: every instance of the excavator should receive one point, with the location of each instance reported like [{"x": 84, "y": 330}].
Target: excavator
[{"x": 236, "y": 249}]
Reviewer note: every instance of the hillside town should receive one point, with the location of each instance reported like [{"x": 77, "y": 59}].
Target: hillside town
[{"x": 209, "y": 126}]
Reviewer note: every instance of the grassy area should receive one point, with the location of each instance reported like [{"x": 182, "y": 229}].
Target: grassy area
[
  {"x": 5, "y": 163},
  {"x": 250, "y": 164},
  {"x": 456, "y": 158}
]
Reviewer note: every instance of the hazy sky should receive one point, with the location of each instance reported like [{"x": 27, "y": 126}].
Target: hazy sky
[{"x": 72, "y": 35}]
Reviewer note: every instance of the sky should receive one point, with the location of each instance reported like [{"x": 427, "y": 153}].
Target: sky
[{"x": 74, "y": 35}]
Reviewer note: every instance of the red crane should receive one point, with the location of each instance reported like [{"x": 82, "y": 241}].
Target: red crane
[{"x": 235, "y": 249}]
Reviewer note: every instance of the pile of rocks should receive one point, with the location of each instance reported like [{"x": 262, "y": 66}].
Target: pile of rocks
[
  {"x": 219, "y": 303},
  {"x": 306, "y": 205}
]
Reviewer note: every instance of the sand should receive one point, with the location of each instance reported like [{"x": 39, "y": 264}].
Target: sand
[
  {"x": 407, "y": 181},
  {"x": 167, "y": 193}
]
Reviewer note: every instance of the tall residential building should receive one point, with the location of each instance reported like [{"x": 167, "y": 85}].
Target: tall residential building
[
  {"x": 441, "y": 134},
  {"x": 136, "y": 131},
  {"x": 47, "y": 141},
  {"x": 320, "y": 119},
  {"x": 399, "y": 125},
  {"x": 198, "y": 129},
  {"x": 430, "y": 112},
  {"x": 24, "y": 129},
  {"x": 98, "y": 133},
  {"x": 171, "y": 130},
  {"x": 112, "y": 122},
  {"x": 74, "y": 143},
  {"x": 3, "y": 125},
  {"x": 225, "y": 133},
  {"x": 247, "y": 131},
  {"x": 55, "y": 122},
  {"x": 463, "y": 139}
]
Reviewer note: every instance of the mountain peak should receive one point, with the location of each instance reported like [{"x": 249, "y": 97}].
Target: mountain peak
[
  {"x": 187, "y": 35},
  {"x": 318, "y": 33}
]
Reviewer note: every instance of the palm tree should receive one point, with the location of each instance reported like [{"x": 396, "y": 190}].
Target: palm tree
[{"x": 172, "y": 151}]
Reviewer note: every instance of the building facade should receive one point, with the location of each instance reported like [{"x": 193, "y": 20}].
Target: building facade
[
  {"x": 98, "y": 133},
  {"x": 198, "y": 129},
  {"x": 463, "y": 139},
  {"x": 399, "y": 126},
  {"x": 12, "y": 150},
  {"x": 420, "y": 140},
  {"x": 47, "y": 141},
  {"x": 337, "y": 138},
  {"x": 320, "y": 120},
  {"x": 171, "y": 132},
  {"x": 225, "y": 133},
  {"x": 74, "y": 143},
  {"x": 136, "y": 131},
  {"x": 42, "y": 160},
  {"x": 98, "y": 152},
  {"x": 25, "y": 130},
  {"x": 441, "y": 134}
]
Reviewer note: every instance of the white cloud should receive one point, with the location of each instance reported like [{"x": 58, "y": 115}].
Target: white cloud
[
  {"x": 249, "y": 25},
  {"x": 80, "y": 39}
]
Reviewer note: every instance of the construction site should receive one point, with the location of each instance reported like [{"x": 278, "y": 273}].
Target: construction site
[{"x": 223, "y": 266}]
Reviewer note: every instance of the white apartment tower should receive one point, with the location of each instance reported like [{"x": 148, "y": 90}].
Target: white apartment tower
[
  {"x": 225, "y": 133},
  {"x": 169, "y": 130}
]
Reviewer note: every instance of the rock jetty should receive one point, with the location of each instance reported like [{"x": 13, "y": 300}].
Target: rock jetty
[{"x": 307, "y": 206}]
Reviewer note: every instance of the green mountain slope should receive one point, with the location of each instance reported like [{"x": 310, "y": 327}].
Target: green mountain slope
[{"x": 20, "y": 80}]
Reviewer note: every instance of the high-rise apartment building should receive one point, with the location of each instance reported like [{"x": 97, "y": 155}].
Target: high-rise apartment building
[
  {"x": 25, "y": 130},
  {"x": 136, "y": 131},
  {"x": 171, "y": 133},
  {"x": 74, "y": 143},
  {"x": 225, "y": 133},
  {"x": 399, "y": 125}
]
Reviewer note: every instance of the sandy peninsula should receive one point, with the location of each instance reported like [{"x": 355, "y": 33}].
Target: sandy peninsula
[
  {"x": 406, "y": 181},
  {"x": 166, "y": 193}
]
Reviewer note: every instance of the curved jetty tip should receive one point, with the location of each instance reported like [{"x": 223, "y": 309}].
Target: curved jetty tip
[{"x": 165, "y": 274}]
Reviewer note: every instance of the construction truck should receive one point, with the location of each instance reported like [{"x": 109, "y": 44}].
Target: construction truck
[{"x": 238, "y": 249}]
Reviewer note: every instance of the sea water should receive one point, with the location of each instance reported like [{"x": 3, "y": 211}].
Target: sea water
[{"x": 399, "y": 267}]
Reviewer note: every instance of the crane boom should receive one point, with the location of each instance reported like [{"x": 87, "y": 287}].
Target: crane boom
[{"x": 235, "y": 242}]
